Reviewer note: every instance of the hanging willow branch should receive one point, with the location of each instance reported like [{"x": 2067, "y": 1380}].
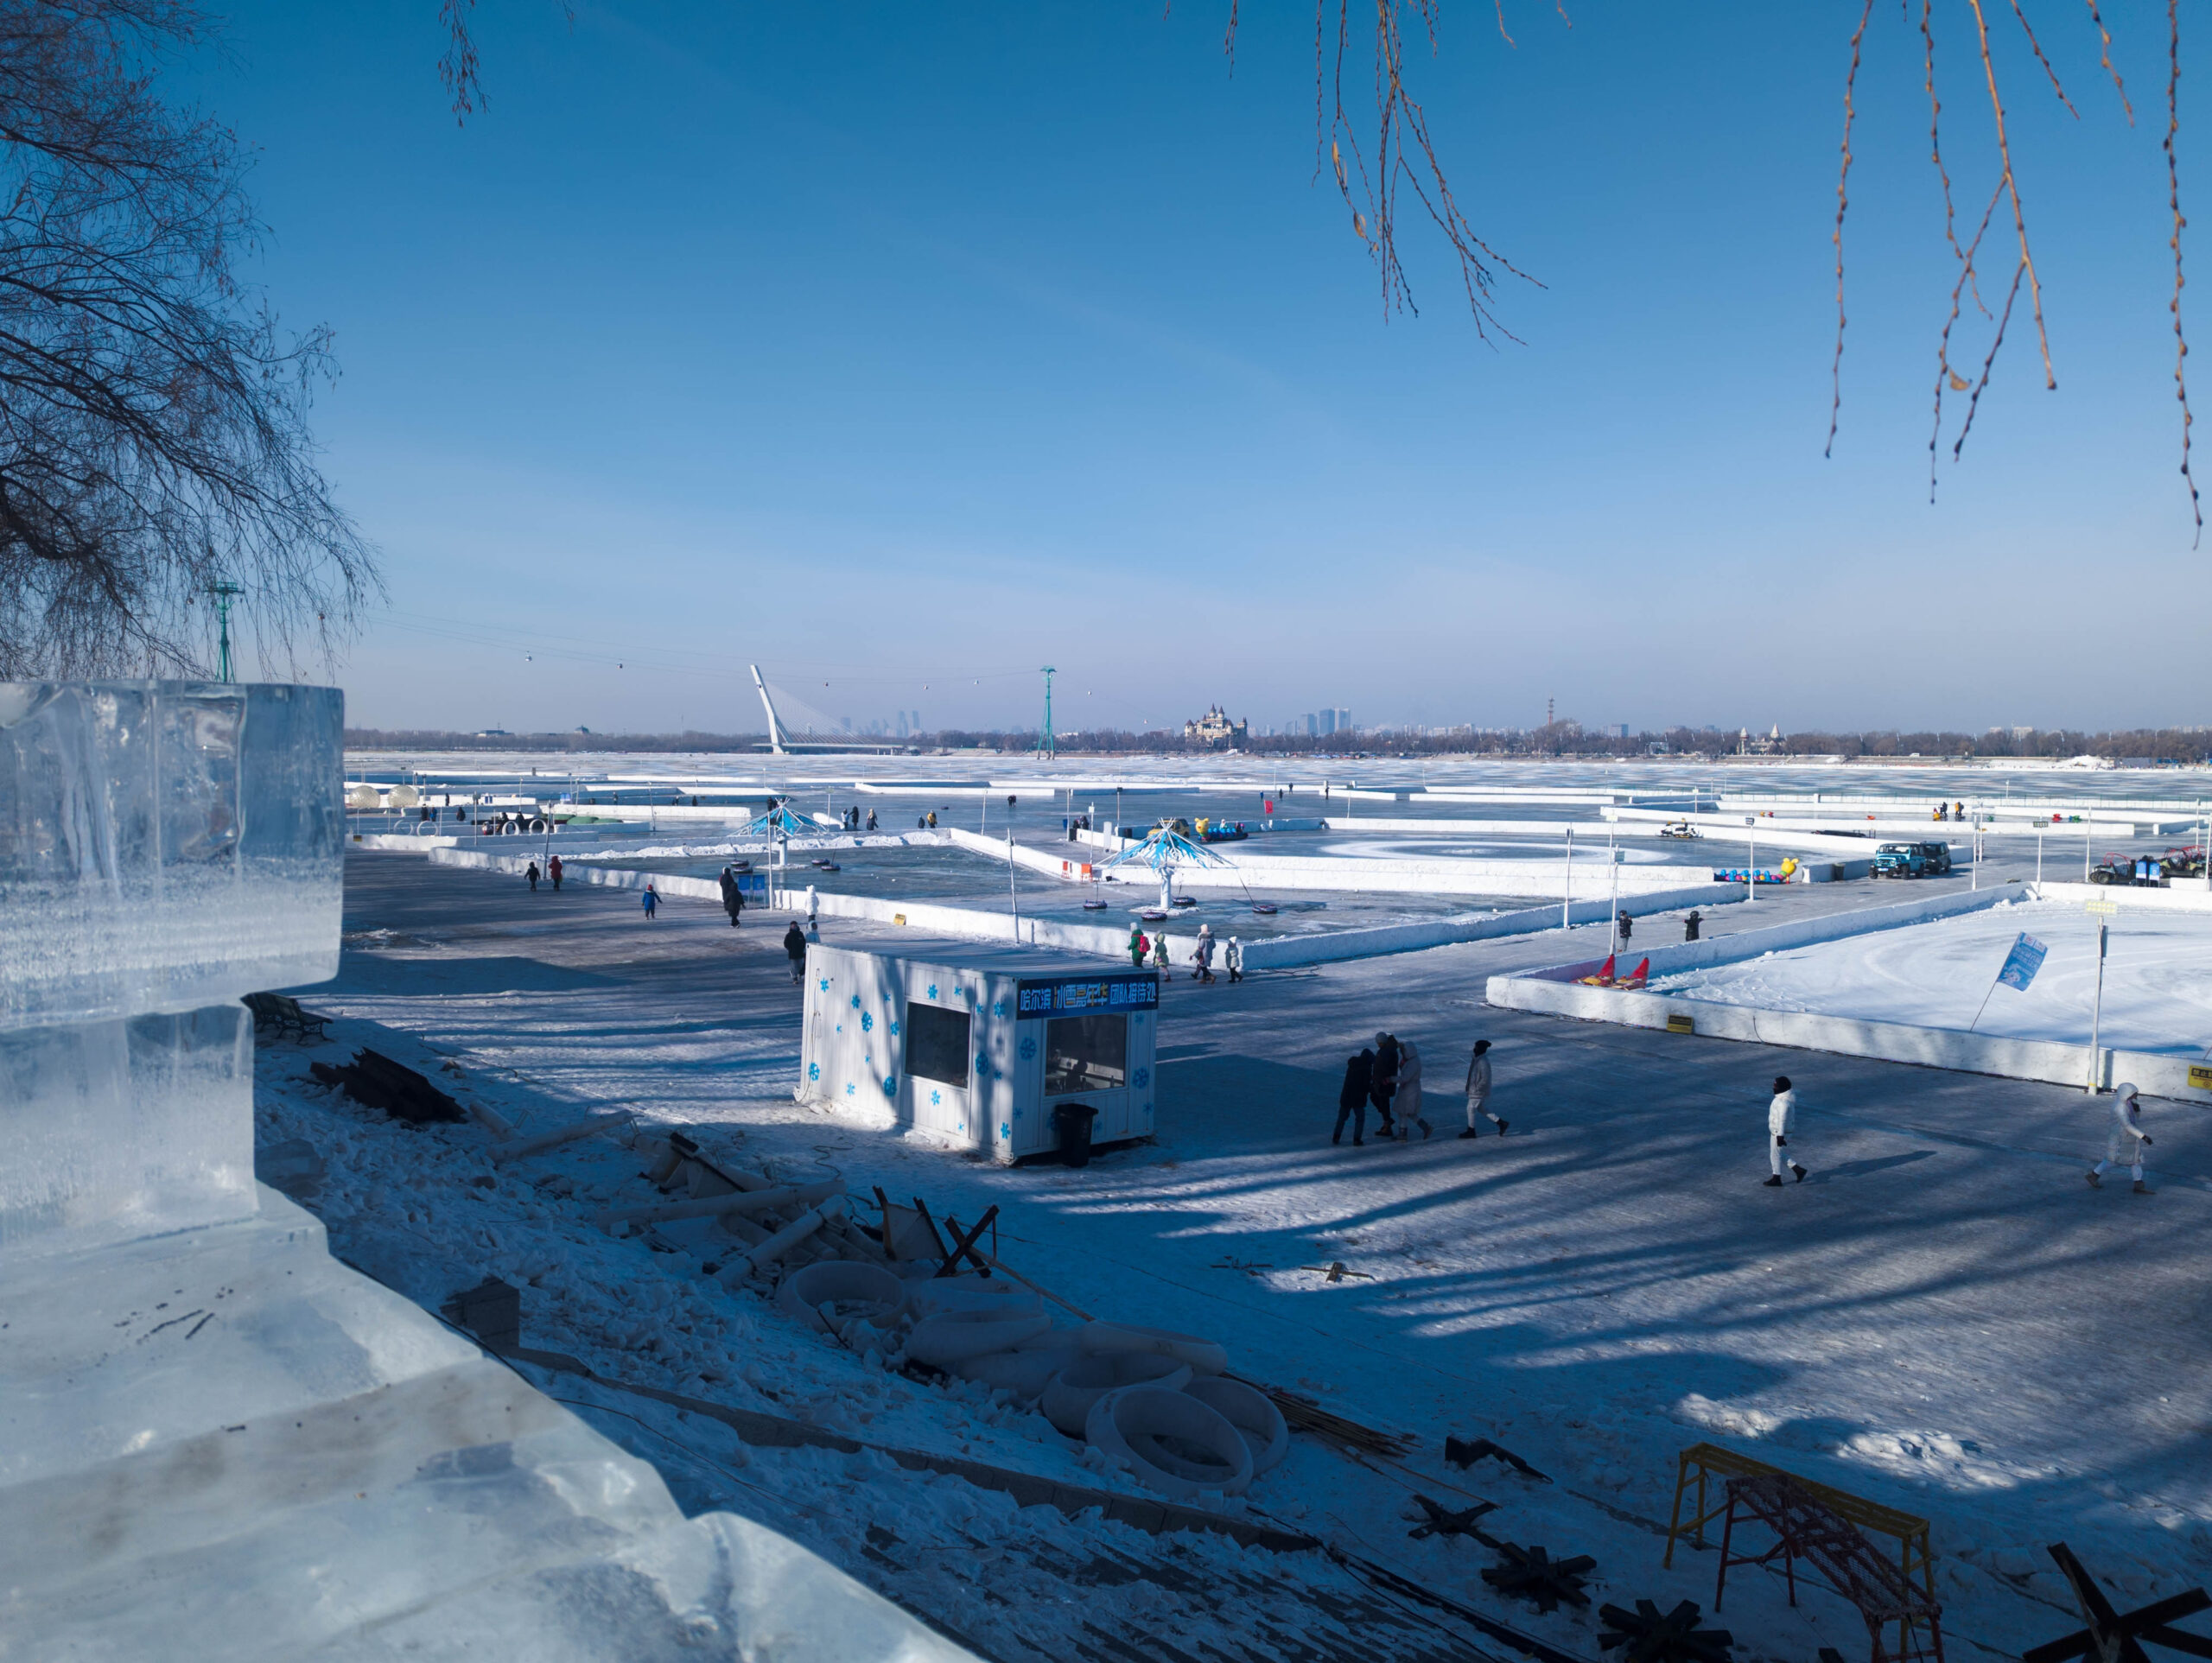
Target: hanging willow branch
[
  {"x": 2006, "y": 194},
  {"x": 1398, "y": 151}
]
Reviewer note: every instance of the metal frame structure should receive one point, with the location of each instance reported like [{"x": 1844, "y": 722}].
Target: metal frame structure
[{"x": 1806, "y": 1527}]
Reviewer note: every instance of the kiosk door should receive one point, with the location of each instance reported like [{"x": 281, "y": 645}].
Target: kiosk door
[
  {"x": 1088, "y": 1056},
  {"x": 937, "y": 1073}
]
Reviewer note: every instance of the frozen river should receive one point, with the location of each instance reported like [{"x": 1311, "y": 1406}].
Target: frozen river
[{"x": 2158, "y": 994}]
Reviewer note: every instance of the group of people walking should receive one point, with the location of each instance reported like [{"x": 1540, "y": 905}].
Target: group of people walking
[
  {"x": 1387, "y": 1076},
  {"x": 1144, "y": 948},
  {"x": 552, "y": 870}
]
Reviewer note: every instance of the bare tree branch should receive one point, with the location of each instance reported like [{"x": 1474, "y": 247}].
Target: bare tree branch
[{"x": 153, "y": 435}]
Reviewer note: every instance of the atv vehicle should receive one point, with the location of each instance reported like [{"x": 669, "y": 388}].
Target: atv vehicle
[{"x": 1681, "y": 829}]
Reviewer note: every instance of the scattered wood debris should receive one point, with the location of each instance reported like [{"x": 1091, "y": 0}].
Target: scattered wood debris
[
  {"x": 1644, "y": 1636},
  {"x": 1442, "y": 1521},
  {"x": 1307, "y": 1416},
  {"x": 1464, "y": 1452},
  {"x": 1336, "y": 1273},
  {"x": 2120, "y": 1633},
  {"x": 1532, "y": 1574},
  {"x": 373, "y": 1079}
]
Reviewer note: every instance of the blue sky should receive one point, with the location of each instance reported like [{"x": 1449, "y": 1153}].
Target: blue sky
[{"x": 906, "y": 349}]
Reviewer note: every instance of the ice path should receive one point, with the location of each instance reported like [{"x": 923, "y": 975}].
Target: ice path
[{"x": 1945, "y": 1317}]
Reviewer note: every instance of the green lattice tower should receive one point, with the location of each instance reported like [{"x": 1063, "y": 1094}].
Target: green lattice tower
[
  {"x": 1045, "y": 747},
  {"x": 224, "y": 591}
]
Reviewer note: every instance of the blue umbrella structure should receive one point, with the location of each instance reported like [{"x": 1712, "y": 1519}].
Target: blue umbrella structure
[{"x": 1163, "y": 849}]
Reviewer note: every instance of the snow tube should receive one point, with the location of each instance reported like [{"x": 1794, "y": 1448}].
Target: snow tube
[
  {"x": 1109, "y": 1338},
  {"x": 1170, "y": 1442},
  {"x": 1252, "y": 1413},
  {"x": 857, "y": 1290},
  {"x": 956, "y": 1335},
  {"x": 1069, "y": 1399},
  {"x": 1027, "y": 1370},
  {"x": 934, "y": 1296}
]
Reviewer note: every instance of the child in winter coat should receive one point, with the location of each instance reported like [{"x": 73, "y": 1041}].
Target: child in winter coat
[
  {"x": 1781, "y": 1122},
  {"x": 650, "y": 900},
  {"x": 1351, "y": 1101},
  {"x": 2127, "y": 1140},
  {"x": 1160, "y": 953},
  {"x": 1232, "y": 957},
  {"x": 1478, "y": 1089},
  {"x": 1384, "y": 1084},
  {"x": 553, "y": 870},
  {"x": 1138, "y": 947}
]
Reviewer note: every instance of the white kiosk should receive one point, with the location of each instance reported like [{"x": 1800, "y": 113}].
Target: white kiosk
[{"x": 977, "y": 1046}]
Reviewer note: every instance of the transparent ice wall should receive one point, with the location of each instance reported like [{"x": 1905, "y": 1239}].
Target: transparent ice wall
[
  {"x": 165, "y": 844},
  {"x": 110, "y": 1131},
  {"x": 164, "y": 847}
]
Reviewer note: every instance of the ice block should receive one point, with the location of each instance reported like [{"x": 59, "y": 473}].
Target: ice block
[{"x": 165, "y": 844}]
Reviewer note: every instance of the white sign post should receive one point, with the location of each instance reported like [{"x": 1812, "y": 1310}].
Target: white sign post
[{"x": 2097, "y": 1008}]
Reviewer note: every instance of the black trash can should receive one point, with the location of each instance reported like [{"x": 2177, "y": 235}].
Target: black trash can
[{"x": 1072, "y": 1122}]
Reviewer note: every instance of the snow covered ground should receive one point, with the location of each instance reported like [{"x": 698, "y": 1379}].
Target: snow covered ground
[
  {"x": 2158, "y": 994},
  {"x": 1945, "y": 1318}
]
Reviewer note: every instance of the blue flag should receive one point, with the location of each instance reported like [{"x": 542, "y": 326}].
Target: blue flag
[{"x": 2022, "y": 962}]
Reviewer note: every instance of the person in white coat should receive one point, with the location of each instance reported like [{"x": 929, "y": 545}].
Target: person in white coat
[
  {"x": 1478, "y": 1089},
  {"x": 2127, "y": 1142},
  {"x": 1406, "y": 1105},
  {"x": 1781, "y": 1122}
]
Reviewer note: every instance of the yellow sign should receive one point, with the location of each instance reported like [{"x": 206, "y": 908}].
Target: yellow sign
[
  {"x": 1682, "y": 1025},
  {"x": 898, "y": 918},
  {"x": 2100, "y": 909},
  {"x": 2200, "y": 1079}
]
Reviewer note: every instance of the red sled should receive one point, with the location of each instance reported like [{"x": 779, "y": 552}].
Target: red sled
[
  {"x": 1604, "y": 976},
  {"x": 1643, "y": 975}
]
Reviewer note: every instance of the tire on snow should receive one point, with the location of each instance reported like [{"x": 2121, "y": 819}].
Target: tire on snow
[
  {"x": 957, "y": 1336},
  {"x": 843, "y": 1282},
  {"x": 1075, "y": 1389},
  {"x": 1251, "y": 1411},
  {"x": 1155, "y": 1434},
  {"x": 1205, "y": 1357}
]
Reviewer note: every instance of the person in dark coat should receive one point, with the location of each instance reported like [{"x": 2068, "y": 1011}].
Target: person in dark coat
[
  {"x": 1384, "y": 1085},
  {"x": 795, "y": 950},
  {"x": 733, "y": 896},
  {"x": 1690, "y": 924},
  {"x": 1352, "y": 1101},
  {"x": 532, "y": 875},
  {"x": 1628, "y": 928}
]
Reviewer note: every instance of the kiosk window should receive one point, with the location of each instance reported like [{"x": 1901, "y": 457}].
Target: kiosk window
[
  {"x": 1086, "y": 1053},
  {"x": 936, "y": 1044}
]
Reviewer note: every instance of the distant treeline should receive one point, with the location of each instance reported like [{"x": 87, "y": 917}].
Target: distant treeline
[
  {"x": 423, "y": 739},
  {"x": 1560, "y": 739}
]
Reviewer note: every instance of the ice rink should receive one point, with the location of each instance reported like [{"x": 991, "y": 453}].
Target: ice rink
[{"x": 2158, "y": 993}]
